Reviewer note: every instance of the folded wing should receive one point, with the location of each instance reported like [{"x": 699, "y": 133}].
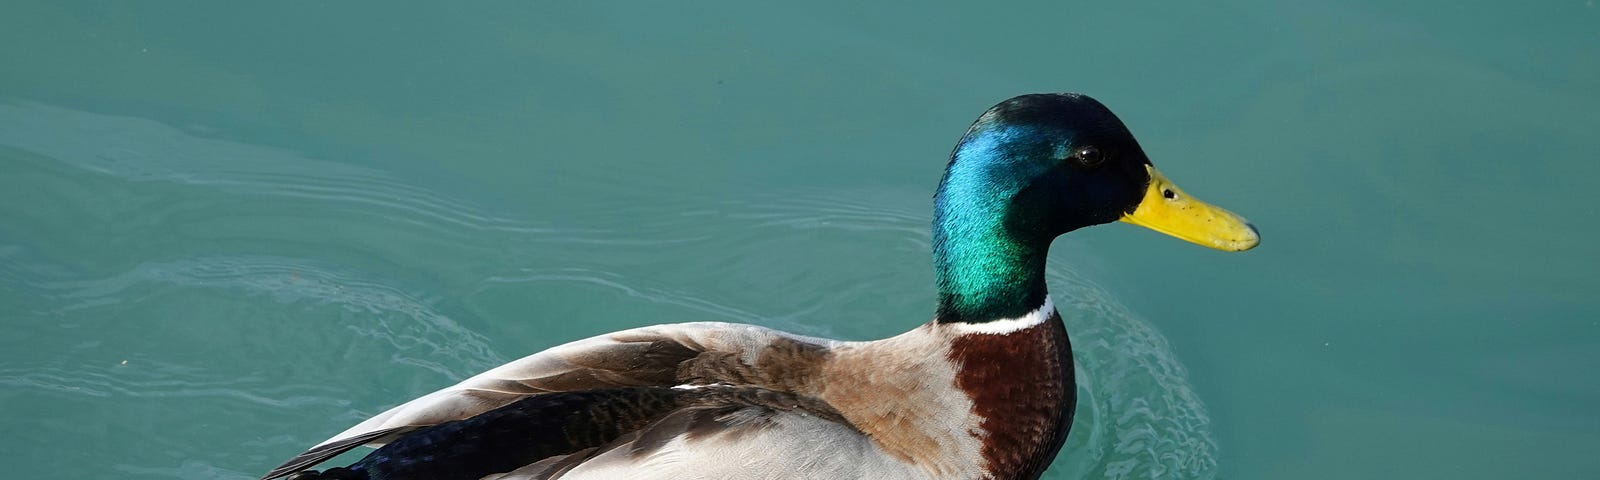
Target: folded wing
[{"x": 655, "y": 356}]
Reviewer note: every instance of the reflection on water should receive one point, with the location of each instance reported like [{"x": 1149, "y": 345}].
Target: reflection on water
[{"x": 282, "y": 335}]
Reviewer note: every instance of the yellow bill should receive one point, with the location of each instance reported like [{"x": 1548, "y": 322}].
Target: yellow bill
[{"x": 1168, "y": 210}]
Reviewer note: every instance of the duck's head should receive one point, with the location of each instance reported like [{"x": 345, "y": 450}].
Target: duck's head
[
  {"x": 1052, "y": 163},
  {"x": 1038, "y": 166}
]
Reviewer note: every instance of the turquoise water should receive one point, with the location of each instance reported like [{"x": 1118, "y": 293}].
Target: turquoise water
[{"x": 228, "y": 232}]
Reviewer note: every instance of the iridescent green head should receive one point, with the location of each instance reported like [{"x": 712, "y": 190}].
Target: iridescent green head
[{"x": 1035, "y": 167}]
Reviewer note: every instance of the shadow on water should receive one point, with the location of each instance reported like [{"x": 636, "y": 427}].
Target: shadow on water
[{"x": 265, "y": 338}]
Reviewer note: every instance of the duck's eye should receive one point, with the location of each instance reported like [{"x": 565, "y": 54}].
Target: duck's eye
[{"x": 1088, "y": 157}]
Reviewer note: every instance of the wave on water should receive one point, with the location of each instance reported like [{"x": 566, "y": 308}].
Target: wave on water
[
  {"x": 664, "y": 296},
  {"x": 145, "y": 150},
  {"x": 422, "y": 336},
  {"x": 1148, "y": 421},
  {"x": 418, "y": 334},
  {"x": 242, "y": 397}
]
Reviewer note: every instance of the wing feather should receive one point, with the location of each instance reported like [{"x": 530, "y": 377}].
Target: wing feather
[
  {"x": 323, "y": 452},
  {"x": 646, "y": 356},
  {"x": 750, "y": 441}
]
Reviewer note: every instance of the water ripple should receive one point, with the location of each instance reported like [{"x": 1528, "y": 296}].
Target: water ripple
[
  {"x": 663, "y": 296},
  {"x": 1148, "y": 421},
  {"x": 157, "y": 379},
  {"x": 146, "y": 151},
  {"x": 438, "y": 343}
]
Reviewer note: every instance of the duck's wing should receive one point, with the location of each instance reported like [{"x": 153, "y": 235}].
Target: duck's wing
[
  {"x": 730, "y": 432},
  {"x": 655, "y": 356},
  {"x": 640, "y": 433}
]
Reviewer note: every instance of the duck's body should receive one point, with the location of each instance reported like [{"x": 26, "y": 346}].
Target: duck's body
[{"x": 985, "y": 390}]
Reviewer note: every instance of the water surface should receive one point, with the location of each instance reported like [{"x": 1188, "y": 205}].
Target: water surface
[{"x": 229, "y": 231}]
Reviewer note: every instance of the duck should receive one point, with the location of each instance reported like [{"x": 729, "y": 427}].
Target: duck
[{"x": 983, "y": 390}]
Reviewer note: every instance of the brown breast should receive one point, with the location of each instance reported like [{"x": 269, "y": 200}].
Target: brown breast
[{"x": 1022, "y": 389}]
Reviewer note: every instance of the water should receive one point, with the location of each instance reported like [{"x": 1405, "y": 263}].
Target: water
[{"x": 229, "y": 231}]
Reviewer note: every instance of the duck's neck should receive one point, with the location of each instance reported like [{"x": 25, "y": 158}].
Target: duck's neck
[
  {"x": 986, "y": 269},
  {"x": 985, "y": 276}
]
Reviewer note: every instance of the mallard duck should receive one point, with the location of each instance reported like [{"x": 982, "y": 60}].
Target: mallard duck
[{"x": 982, "y": 391}]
